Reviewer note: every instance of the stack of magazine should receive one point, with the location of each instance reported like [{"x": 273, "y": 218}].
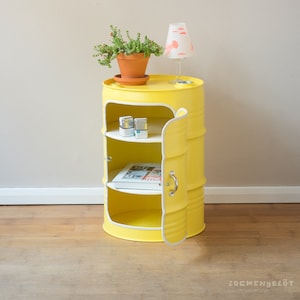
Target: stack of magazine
[{"x": 143, "y": 176}]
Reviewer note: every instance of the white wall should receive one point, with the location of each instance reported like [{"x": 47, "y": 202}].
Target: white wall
[{"x": 247, "y": 52}]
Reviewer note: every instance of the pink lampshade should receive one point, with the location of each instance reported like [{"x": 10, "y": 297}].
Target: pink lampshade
[{"x": 179, "y": 44}]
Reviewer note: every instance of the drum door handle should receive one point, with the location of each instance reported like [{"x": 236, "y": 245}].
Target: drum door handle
[{"x": 172, "y": 175}]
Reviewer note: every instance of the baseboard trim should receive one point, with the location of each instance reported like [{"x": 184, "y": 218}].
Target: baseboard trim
[
  {"x": 40, "y": 196},
  {"x": 253, "y": 194},
  {"x": 213, "y": 195}
]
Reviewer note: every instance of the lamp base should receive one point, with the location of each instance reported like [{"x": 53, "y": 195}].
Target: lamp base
[{"x": 181, "y": 81}]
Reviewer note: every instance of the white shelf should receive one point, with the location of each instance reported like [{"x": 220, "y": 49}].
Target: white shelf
[
  {"x": 134, "y": 191},
  {"x": 155, "y": 127},
  {"x": 111, "y": 185}
]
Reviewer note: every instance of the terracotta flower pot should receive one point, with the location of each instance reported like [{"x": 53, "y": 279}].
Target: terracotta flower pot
[{"x": 132, "y": 66}]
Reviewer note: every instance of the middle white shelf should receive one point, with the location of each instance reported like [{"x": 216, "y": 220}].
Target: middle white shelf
[
  {"x": 155, "y": 127},
  {"x": 111, "y": 185}
]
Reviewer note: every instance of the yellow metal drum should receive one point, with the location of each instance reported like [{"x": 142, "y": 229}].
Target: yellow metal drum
[{"x": 176, "y": 130}]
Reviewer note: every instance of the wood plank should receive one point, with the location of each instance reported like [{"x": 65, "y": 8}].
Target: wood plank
[{"x": 61, "y": 252}]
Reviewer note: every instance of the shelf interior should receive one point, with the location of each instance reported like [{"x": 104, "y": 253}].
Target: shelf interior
[
  {"x": 139, "y": 218},
  {"x": 134, "y": 210}
]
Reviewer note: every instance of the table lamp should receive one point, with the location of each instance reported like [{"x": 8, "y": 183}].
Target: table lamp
[{"x": 178, "y": 47}]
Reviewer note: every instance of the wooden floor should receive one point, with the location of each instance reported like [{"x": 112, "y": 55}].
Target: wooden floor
[{"x": 61, "y": 252}]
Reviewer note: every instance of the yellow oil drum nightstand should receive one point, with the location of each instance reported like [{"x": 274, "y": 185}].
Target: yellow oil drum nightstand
[{"x": 176, "y": 130}]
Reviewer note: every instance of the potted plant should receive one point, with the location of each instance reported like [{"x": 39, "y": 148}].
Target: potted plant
[{"x": 132, "y": 55}]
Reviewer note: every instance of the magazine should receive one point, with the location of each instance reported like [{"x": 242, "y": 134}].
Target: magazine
[{"x": 144, "y": 176}]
